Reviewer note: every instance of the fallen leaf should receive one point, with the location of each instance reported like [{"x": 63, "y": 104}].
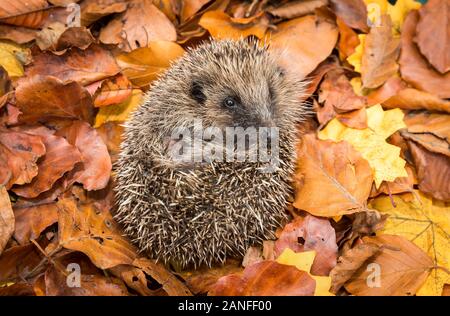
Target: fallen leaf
[
  {"x": 95, "y": 169},
  {"x": 6, "y": 218},
  {"x": 292, "y": 42},
  {"x": 412, "y": 99},
  {"x": 344, "y": 184},
  {"x": 20, "y": 35},
  {"x": 348, "y": 40},
  {"x": 93, "y": 10},
  {"x": 401, "y": 268},
  {"x": 352, "y": 12},
  {"x": 43, "y": 98},
  {"x": 415, "y": 68},
  {"x": 111, "y": 134},
  {"x": 58, "y": 38},
  {"x": 17, "y": 262},
  {"x": 143, "y": 65},
  {"x": 91, "y": 230},
  {"x": 266, "y": 278},
  {"x": 112, "y": 91},
  {"x": 118, "y": 112},
  {"x": 350, "y": 262},
  {"x": 296, "y": 8},
  {"x": 310, "y": 233},
  {"x": 220, "y": 25},
  {"x": 389, "y": 89},
  {"x": 355, "y": 59},
  {"x": 32, "y": 221},
  {"x": 139, "y": 25},
  {"x": 425, "y": 222},
  {"x": 433, "y": 171},
  {"x": 371, "y": 142},
  {"x": 10, "y": 63},
  {"x": 380, "y": 53},
  {"x": 7, "y": 9}
]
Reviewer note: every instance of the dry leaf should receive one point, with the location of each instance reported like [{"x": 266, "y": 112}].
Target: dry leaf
[
  {"x": 112, "y": 91},
  {"x": 412, "y": 99},
  {"x": 352, "y": 12},
  {"x": 6, "y": 218},
  {"x": 332, "y": 179},
  {"x": 92, "y": 10},
  {"x": 118, "y": 112},
  {"x": 296, "y": 8}
]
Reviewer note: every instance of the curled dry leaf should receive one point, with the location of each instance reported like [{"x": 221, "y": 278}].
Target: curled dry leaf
[
  {"x": 19, "y": 153},
  {"x": 190, "y": 7},
  {"x": 310, "y": 233},
  {"x": 401, "y": 268},
  {"x": 296, "y": 8},
  {"x": 32, "y": 221},
  {"x": 433, "y": 33},
  {"x": 415, "y": 68},
  {"x": 292, "y": 41},
  {"x": 60, "y": 157},
  {"x": 352, "y": 12},
  {"x": 134, "y": 278},
  {"x": 6, "y": 218},
  {"x": 350, "y": 262},
  {"x": 332, "y": 178},
  {"x": 266, "y": 278},
  {"x": 220, "y": 25},
  {"x": 91, "y": 230},
  {"x": 379, "y": 59},
  {"x": 83, "y": 66},
  {"x": 95, "y": 169},
  {"x": 58, "y": 38},
  {"x": 143, "y": 65},
  {"x": 43, "y": 98},
  {"x": 157, "y": 271},
  {"x": 139, "y": 25},
  {"x": 433, "y": 171}
]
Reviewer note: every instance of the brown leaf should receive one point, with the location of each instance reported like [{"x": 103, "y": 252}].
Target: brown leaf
[
  {"x": 17, "y": 289},
  {"x": 379, "y": 60},
  {"x": 17, "y": 262},
  {"x": 433, "y": 33},
  {"x": 91, "y": 230},
  {"x": 399, "y": 185},
  {"x": 43, "y": 98},
  {"x": 113, "y": 91},
  {"x": 90, "y": 285},
  {"x": 296, "y": 8},
  {"x": 190, "y": 8},
  {"x": 83, "y": 66},
  {"x": 58, "y": 38},
  {"x": 292, "y": 41},
  {"x": 352, "y": 12},
  {"x": 20, "y": 35},
  {"x": 139, "y": 25},
  {"x": 348, "y": 39},
  {"x": 389, "y": 89},
  {"x": 412, "y": 99},
  {"x": 414, "y": 67},
  {"x": 332, "y": 178},
  {"x": 403, "y": 268},
  {"x": 8, "y": 9},
  {"x": 350, "y": 262},
  {"x": 6, "y": 218},
  {"x": 433, "y": 171},
  {"x": 32, "y": 221},
  {"x": 60, "y": 157},
  {"x": 337, "y": 96},
  {"x": 134, "y": 278},
  {"x": 201, "y": 281},
  {"x": 95, "y": 170},
  {"x": 220, "y": 25},
  {"x": 111, "y": 134},
  {"x": 267, "y": 278},
  {"x": 92, "y": 10},
  {"x": 310, "y": 233},
  {"x": 19, "y": 153},
  {"x": 315, "y": 77},
  {"x": 169, "y": 282},
  {"x": 143, "y": 65}
]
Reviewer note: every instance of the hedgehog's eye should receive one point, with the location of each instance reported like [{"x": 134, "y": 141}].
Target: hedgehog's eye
[
  {"x": 197, "y": 92},
  {"x": 229, "y": 102}
]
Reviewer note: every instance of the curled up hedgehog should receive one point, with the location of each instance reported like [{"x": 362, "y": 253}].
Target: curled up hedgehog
[{"x": 187, "y": 208}]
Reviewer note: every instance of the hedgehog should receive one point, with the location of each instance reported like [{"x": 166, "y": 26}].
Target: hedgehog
[{"x": 191, "y": 212}]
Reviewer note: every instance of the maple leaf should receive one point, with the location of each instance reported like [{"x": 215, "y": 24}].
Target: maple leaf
[
  {"x": 371, "y": 142},
  {"x": 425, "y": 222}
]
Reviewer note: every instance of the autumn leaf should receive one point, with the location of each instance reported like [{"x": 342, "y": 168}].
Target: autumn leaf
[
  {"x": 118, "y": 112},
  {"x": 6, "y": 218},
  {"x": 355, "y": 59},
  {"x": 292, "y": 42},
  {"x": 433, "y": 34},
  {"x": 413, "y": 99},
  {"x": 352, "y": 12},
  {"x": 112, "y": 91},
  {"x": 93, "y": 10},
  {"x": 296, "y": 9},
  {"x": 401, "y": 268},
  {"x": 371, "y": 142},
  {"x": 380, "y": 53},
  {"x": 327, "y": 184},
  {"x": 425, "y": 222}
]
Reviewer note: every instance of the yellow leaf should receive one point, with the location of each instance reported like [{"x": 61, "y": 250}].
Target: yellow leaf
[
  {"x": 383, "y": 158},
  {"x": 355, "y": 58},
  {"x": 9, "y": 61},
  {"x": 356, "y": 84},
  {"x": 303, "y": 261},
  {"x": 425, "y": 222},
  {"x": 118, "y": 112},
  {"x": 399, "y": 11}
]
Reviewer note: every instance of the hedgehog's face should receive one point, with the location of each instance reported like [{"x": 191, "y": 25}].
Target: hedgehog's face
[{"x": 244, "y": 90}]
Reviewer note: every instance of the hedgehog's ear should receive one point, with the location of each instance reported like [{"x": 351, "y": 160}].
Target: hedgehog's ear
[{"x": 197, "y": 92}]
